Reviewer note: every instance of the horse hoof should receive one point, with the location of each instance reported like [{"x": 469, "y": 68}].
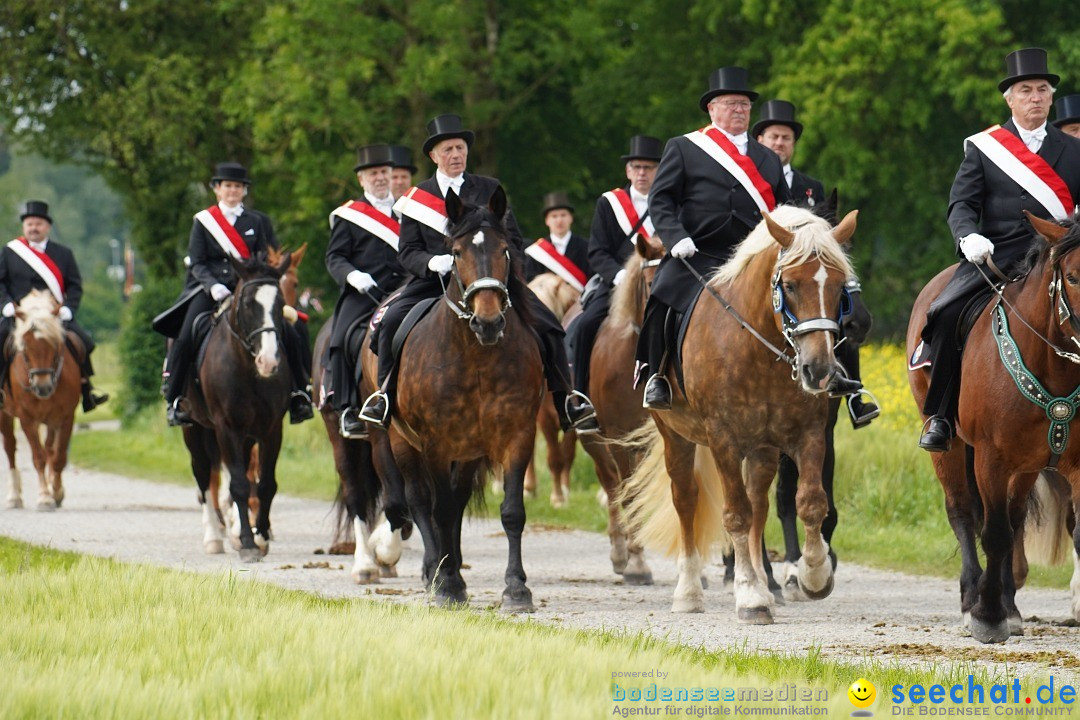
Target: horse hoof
[
  {"x": 46, "y": 505},
  {"x": 558, "y": 503},
  {"x": 755, "y": 616},
  {"x": 522, "y": 603},
  {"x": 250, "y": 555},
  {"x": 688, "y": 605},
  {"x": 986, "y": 632},
  {"x": 1016, "y": 624},
  {"x": 450, "y": 601},
  {"x": 819, "y": 594},
  {"x": 644, "y": 578},
  {"x": 15, "y": 504},
  {"x": 792, "y": 592},
  {"x": 367, "y": 576},
  {"x": 778, "y": 595},
  {"x": 388, "y": 571},
  {"x": 704, "y": 583},
  {"x": 214, "y": 547},
  {"x": 59, "y": 502},
  {"x": 235, "y": 543}
]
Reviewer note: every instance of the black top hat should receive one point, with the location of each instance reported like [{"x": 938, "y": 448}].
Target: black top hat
[
  {"x": 732, "y": 80},
  {"x": 1066, "y": 110},
  {"x": 230, "y": 171},
  {"x": 445, "y": 127},
  {"x": 1026, "y": 64},
  {"x": 373, "y": 156},
  {"x": 644, "y": 147},
  {"x": 35, "y": 208},
  {"x": 402, "y": 157},
  {"x": 556, "y": 201},
  {"x": 777, "y": 112}
]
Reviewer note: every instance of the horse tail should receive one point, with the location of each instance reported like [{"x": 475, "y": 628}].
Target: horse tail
[
  {"x": 343, "y": 519},
  {"x": 649, "y": 511},
  {"x": 1046, "y": 537}
]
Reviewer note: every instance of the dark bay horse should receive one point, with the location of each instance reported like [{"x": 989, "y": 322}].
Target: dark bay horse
[
  {"x": 1007, "y": 437},
  {"x": 712, "y": 458},
  {"x": 239, "y": 399},
  {"x": 470, "y": 384},
  {"x": 45, "y": 387},
  {"x": 618, "y": 404}
]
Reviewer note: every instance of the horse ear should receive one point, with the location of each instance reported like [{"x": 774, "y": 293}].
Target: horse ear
[
  {"x": 283, "y": 264},
  {"x": 298, "y": 255},
  {"x": 1047, "y": 228},
  {"x": 781, "y": 234},
  {"x": 843, "y": 232},
  {"x": 497, "y": 203},
  {"x": 641, "y": 246},
  {"x": 455, "y": 209}
]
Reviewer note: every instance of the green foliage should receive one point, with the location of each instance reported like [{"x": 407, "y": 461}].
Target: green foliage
[{"x": 141, "y": 349}]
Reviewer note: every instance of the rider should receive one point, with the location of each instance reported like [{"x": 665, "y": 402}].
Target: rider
[
  {"x": 1024, "y": 164},
  {"x": 34, "y": 261},
  {"x": 778, "y": 130},
  {"x": 1067, "y": 115},
  {"x": 401, "y": 175},
  {"x": 562, "y": 252},
  {"x": 710, "y": 190},
  {"x": 423, "y": 252},
  {"x": 226, "y": 229},
  {"x": 362, "y": 258},
  {"x": 621, "y": 216}
]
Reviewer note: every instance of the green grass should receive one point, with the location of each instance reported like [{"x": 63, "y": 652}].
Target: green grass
[
  {"x": 90, "y": 637},
  {"x": 889, "y": 501}
]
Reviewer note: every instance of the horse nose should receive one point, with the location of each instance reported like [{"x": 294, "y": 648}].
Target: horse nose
[
  {"x": 266, "y": 364},
  {"x": 816, "y": 375},
  {"x": 487, "y": 332}
]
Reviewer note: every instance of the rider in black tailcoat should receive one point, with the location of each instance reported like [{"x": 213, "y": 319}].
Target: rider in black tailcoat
[{"x": 558, "y": 215}]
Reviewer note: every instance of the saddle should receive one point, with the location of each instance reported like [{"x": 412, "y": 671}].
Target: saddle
[
  {"x": 200, "y": 332},
  {"x": 676, "y": 359},
  {"x": 415, "y": 315},
  {"x": 973, "y": 310}
]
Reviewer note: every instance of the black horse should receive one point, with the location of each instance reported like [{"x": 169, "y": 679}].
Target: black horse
[
  {"x": 239, "y": 397},
  {"x": 857, "y": 324}
]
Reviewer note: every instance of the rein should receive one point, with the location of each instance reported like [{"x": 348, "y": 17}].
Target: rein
[
  {"x": 461, "y": 307},
  {"x": 53, "y": 372},
  {"x": 248, "y": 340}
]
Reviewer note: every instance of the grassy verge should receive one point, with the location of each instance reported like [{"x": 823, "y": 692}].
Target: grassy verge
[
  {"x": 889, "y": 501},
  {"x": 89, "y": 637}
]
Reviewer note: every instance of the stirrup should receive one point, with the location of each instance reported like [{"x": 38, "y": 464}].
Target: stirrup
[
  {"x": 586, "y": 402},
  {"x": 367, "y": 414},
  {"x": 865, "y": 420},
  {"x": 361, "y": 434},
  {"x": 659, "y": 379}
]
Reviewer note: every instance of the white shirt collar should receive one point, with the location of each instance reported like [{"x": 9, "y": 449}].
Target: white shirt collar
[
  {"x": 640, "y": 202},
  {"x": 739, "y": 140},
  {"x": 383, "y": 204},
  {"x": 561, "y": 243},
  {"x": 39, "y": 246},
  {"x": 789, "y": 174},
  {"x": 231, "y": 213},
  {"x": 1032, "y": 138},
  {"x": 445, "y": 181}
]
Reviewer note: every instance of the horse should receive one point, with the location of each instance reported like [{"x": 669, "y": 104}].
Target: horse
[
  {"x": 1012, "y": 423},
  {"x": 856, "y": 323},
  {"x": 45, "y": 387},
  {"x": 470, "y": 385},
  {"x": 711, "y": 459},
  {"x": 561, "y": 298},
  {"x": 239, "y": 398},
  {"x": 618, "y": 407}
]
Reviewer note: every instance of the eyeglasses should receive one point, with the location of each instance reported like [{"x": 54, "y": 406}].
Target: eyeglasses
[
  {"x": 642, "y": 167},
  {"x": 731, "y": 104}
]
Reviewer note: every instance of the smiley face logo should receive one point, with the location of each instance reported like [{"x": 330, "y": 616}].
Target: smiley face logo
[{"x": 862, "y": 693}]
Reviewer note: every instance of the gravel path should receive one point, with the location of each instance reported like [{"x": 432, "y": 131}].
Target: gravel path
[{"x": 871, "y": 613}]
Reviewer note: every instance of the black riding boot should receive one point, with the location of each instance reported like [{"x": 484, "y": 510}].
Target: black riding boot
[
  {"x": 177, "y": 363},
  {"x": 661, "y": 338},
  {"x": 300, "y": 400}
]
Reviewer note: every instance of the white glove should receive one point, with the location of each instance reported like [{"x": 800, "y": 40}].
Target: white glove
[
  {"x": 9, "y": 310},
  {"x": 441, "y": 264},
  {"x": 65, "y": 313},
  {"x": 619, "y": 277},
  {"x": 684, "y": 248},
  {"x": 976, "y": 248},
  {"x": 361, "y": 281},
  {"x": 219, "y": 292}
]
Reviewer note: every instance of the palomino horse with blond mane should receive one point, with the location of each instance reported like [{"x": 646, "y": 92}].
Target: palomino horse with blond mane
[
  {"x": 712, "y": 457},
  {"x": 45, "y": 383}
]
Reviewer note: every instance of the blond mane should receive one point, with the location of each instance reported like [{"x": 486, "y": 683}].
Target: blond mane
[
  {"x": 627, "y": 300},
  {"x": 38, "y": 309},
  {"x": 813, "y": 238},
  {"x": 557, "y": 294}
]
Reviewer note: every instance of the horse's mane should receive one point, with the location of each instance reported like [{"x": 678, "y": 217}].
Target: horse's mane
[
  {"x": 557, "y": 294},
  {"x": 39, "y": 308},
  {"x": 626, "y": 301},
  {"x": 813, "y": 237},
  {"x": 1042, "y": 251},
  {"x": 476, "y": 217}
]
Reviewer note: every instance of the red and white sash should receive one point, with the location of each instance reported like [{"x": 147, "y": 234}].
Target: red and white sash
[
  {"x": 226, "y": 235},
  {"x": 627, "y": 216},
  {"x": 544, "y": 252},
  {"x": 424, "y": 208},
  {"x": 371, "y": 219},
  {"x": 42, "y": 264},
  {"x": 1026, "y": 168},
  {"x": 741, "y": 167}
]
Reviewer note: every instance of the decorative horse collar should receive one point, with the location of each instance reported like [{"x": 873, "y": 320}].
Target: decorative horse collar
[{"x": 1059, "y": 410}]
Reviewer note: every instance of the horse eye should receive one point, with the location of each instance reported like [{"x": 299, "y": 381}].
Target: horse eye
[
  {"x": 788, "y": 287},
  {"x": 457, "y": 253},
  {"x": 1071, "y": 279}
]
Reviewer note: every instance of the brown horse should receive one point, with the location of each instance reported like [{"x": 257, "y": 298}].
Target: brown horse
[
  {"x": 715, "y": 453},
  {"x": 560, "y": 297},
  {"x": 618, "y": 405},
  {"x": 45, "y": 383},
  {"x": 470, "y": 384},
  {"x": 240, "y": 398},
  {"x": 1008, "y": 437}
]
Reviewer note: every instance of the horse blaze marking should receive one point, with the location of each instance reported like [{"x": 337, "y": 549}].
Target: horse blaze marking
[
  {"x": 821, "y": 276},
  {"x": 478, "y": 238},
  {"x": 265, "y": 296}
]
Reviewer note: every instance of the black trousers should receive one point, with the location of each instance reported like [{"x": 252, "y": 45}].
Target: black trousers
[
  {"x": 943, "y": 395},
  {"x": 344, "y": 370},
  {"x": 583, "y": 333},
  {"x": 659, "y": 332}
]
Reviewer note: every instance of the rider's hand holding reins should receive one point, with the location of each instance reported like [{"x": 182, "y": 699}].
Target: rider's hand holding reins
[
  {"x": 441, "y": 264},
  {"x": 975, "y": 247},
  {"x": 361, "y": 281},
  {"x": 65, "y": 313},
  {"x": 684, "y": 248},
  {"x": 9, "y": 310},
  {"x": 219, "y": 292}
]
